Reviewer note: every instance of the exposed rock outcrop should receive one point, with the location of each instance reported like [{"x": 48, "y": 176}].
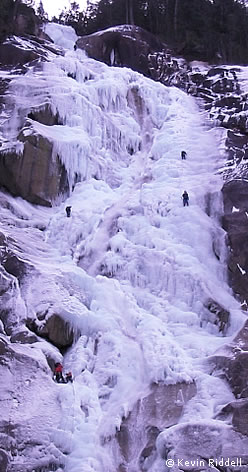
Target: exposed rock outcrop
[
  {"x": 235, "y": 222},
  {"x": 240, "y": 416},
  {"x": 54, "y": 328},
  {"x": 231, "y": 362},
  {"x": 160, "y": 409},
  {"x": 236, "y": 370},
  {"x": 123, "y": 45},
  {"x": 34, "y": 175},
  {"x": 221, "y": 316},
  {"x": 204, "y": 446},
  {"x": 20, "y": 52}
]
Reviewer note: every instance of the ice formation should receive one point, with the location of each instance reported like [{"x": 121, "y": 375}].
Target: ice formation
[{"x": 131, "y": 269}]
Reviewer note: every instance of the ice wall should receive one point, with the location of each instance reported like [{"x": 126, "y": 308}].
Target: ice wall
[{"x": 132, "y": 269}]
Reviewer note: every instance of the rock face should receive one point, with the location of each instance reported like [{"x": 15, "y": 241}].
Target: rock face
[
  {"x": 237, "y": 368},
  {"x": 221, "y": 316},
  {"x": 16, "y": 51},
  {"x": 34, "y": 175},
  {"x": 127, "y": 46},
  {"x": 231, "y": 362},
  {"x": 240, "y": 416},
  {"x": 235, "y": 198},
  {"x": 133, "y": 47},
  {"x": 54, "y": 329},
  {"x": 201, "y": 446},
  {"x": 160, "y": 409},
  {"x": 235, "y": 222}
]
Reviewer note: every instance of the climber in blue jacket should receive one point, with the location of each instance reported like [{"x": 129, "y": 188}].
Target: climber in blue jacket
[
  {"x": 68, "y": 211},
  {"x": 185, "y": 198}
]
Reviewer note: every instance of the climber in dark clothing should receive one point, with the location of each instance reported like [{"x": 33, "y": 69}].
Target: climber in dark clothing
[
  {"x": 185, "y": 198},
  {"x": 68, "y": 377},
  {"x": 68, "y": 211},
  {"x": 183, "y": 154},
  {"x": 58, "y": 373}
]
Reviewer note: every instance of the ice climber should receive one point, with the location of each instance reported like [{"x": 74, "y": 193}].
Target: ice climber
[
  {"x": 59, "y": 373},
  {"x": 68, "y": 377},
  {"x": 185, "y": 198},
  {"x": 68, "y": 211},
  {"x": 183, "y": 154}
]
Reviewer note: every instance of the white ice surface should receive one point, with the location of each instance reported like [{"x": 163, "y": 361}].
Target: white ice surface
[
  {"x": 132, "y": 268},
  {"x": 64, "y": 37}
]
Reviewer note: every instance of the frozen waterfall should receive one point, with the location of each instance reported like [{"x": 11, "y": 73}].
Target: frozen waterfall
[{"x": 132, "y": 271}]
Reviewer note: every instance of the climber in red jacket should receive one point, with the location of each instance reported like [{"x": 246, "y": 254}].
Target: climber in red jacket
[{"x": 58, "y": 371}]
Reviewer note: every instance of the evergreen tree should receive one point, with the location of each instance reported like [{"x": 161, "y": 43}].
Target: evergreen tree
[
  {"x": 7, "y": 8},
  {"x": 211, "y": 30},
  {"x": 42, "y": 15},
  {"x": 129, "y": 12}
]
